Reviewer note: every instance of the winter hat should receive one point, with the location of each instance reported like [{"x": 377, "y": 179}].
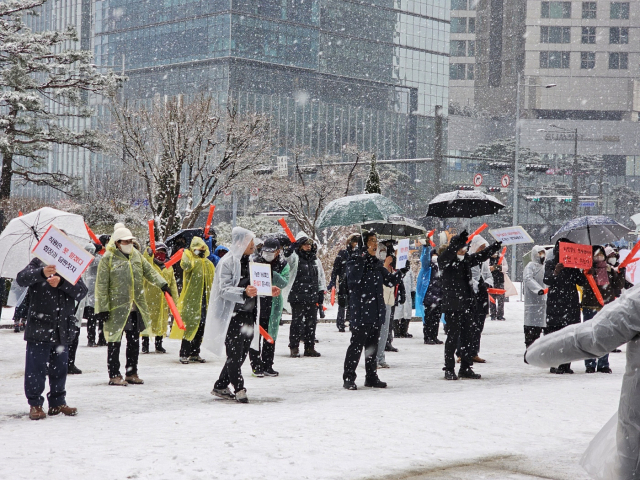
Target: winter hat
[
  {"x": 118, "y": 226},
  {"x": 162, "y": 246},
  {"x": 608, "y": 251},
  {"x": 121, "y": 234},
  {"x": 271, "y": 244},
  {"x": 258, "y": 242}
]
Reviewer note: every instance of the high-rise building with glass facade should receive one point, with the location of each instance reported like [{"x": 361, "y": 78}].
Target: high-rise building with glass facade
[{"x": 329, "y": 72}]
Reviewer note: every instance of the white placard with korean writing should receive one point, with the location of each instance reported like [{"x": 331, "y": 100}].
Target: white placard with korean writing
[
  {"x": 403, "y": 253},
  {"x": 261, "y": 277},
  {"x": 69, "y": 258},
  {"x": 511, "y": 235}
]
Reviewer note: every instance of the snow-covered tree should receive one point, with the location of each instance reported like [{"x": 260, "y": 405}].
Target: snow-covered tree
[
  {"x": 188, "y": 148},
  {"x": 44, "y": 85},
  {"x": 373, "y": 181}
]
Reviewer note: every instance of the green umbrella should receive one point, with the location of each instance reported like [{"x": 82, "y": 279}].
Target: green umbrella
[{"x": 356, "y": 209}]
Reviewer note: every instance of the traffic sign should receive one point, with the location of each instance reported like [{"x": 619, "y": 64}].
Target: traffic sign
[
  {"x": 505, "y": 181},
  {"x": 588, "y": 204},
  {"x": 477, "y": 179}
]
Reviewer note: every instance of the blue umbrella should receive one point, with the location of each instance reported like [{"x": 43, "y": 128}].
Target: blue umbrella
[{"x": 591, "y": 230}]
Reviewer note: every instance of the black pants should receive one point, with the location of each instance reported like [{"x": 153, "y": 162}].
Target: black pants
[
  {"x": 459, "y": 325},
  {"x": 478, "y": 327},
  {"x": 73, "y": 347},
  {"x": 237, "y": 343},
  {"x": 303, "y": 325},
  {"x": 497, "y": 309},
  {"x": 132, "y": 351},
  {"x": 343, "y": 316},
  {"x": 431, "y": 323},
  {"x": 192, "y": 348},
  {"x": 92, "y": 324},
  {"x": 262, "y": 359},
  {"x": 549, "y": 330},
  {"x": 45, "y": 359},
  {"x": 531, "y": 334},
  {"x": 362, "y": 336}
]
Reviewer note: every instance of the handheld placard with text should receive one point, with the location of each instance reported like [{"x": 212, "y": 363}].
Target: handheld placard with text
[
  {"x": 261, "y": 277},
  {"x": 511, "y": 235},
  {"x": 574, "y": 255},
  {"x": 69, "y": 258},
  {"x": 403, "y": 253}
]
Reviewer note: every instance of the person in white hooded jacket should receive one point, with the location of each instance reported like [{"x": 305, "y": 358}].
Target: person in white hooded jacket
[
  {"x": 617, "y": 323},
  {"x": 535, "y": 298},
  {"x": 232, "y": 314},
  {"x": 481, "y": 280}
]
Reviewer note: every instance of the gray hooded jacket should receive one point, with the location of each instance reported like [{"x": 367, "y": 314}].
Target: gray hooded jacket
[{"x": 535, "y": 306}]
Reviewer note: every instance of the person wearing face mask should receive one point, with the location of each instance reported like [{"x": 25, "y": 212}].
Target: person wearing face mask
[
  {"x": 608, "y": 281},
  {"x": 121, "y": 304},
  {"x": 270, "y": 308},
  {"x": 391, "y": 297},
  {"x": 158, "y": 308},
  {"x": 432, "y": 301},
  {"x": 305, "y": 291},
  {"x": 459, "y": 302},
  {"x": 198, "y": 272},
  {"x": 338, "y": 278},
  {"x": 535, "y": 299},
  {"x": 482, "y": 280},
  {"x": 497, "y": 271},
  {"x": 613, "y": 259}
]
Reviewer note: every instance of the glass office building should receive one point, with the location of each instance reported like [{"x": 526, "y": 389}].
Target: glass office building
[{"x": 329, "y": 72}]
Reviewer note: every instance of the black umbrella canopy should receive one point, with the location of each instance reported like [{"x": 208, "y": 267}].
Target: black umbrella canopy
[
  {"x": 182, "y": 238},
  {"x": 396, "y": 226},
  {"x": 463, "y": 204},
  {"x": 591, "y": 230}
]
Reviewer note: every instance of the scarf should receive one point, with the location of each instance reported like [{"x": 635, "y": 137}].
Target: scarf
[{"x": 601, "y": 276}]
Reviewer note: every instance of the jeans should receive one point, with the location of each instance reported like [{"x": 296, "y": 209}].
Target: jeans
[
  {"x": 602, "y": 362},
  {"x": 262, "y": 359},
  {"x": 237, "y": 343},
  {"x": 384, "y": 334},
  {"x": 303, "y": 325},
  {"x": 459, "y": 328},
  {"x": 132, "y": 352},
  {"x": 44, "y": 359},
  {"x": 363, "y": 336}
]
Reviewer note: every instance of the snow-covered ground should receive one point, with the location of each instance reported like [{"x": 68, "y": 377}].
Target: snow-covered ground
[{"x": 518, "y": 422}]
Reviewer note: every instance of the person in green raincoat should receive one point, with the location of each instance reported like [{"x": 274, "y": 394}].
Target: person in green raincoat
[
  {"x": 158, "y": 308},
  {"x": 196, "y": 286},
  {"x": 270, "y": 308},
  {"x": 121, "y": 304}
]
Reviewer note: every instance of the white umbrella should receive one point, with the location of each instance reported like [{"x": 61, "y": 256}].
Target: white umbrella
[{"x": 23, "y": 233}]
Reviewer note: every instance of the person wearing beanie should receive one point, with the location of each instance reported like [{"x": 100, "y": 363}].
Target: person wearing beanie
[
  {"x": 121, "y": 303},
  {"x": 158, "y": 308}
]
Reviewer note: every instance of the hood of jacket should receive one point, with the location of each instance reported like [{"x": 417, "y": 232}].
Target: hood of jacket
[
  {"x": 219, "y": 249},
  {"x": 197, "y": 243}
]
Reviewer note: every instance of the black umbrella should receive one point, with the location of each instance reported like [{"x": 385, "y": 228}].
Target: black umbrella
[
  {"x": 396, "y": 226},
  {"x": 182, "y": 238},
  {"x": 591, "y": 230},
  {"x": 463, "y": 204}
]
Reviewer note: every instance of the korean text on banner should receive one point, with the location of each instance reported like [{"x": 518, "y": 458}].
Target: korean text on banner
[
  {"x": 573, "y": 255},
  {"x": 511, "y": 235},
  {"x": 403, "y": 253},
  {"x": 261, "y": 277},
  {"x": 69, "y": 258}
]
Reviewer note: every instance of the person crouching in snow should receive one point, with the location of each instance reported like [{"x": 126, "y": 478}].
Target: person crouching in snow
[
  {"x": 232, "y": 314},
  {"x": 270, "y": 308},
  {"x": 366, "y": 276},
  {"x": 121, "y": 303},
  {"x": 197, "y": 272},
  {"x": 158, "y": 308}
]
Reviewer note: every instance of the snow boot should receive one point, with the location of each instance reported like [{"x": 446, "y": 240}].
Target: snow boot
[
  {"x": 64, "y": 409},
  {"x": 159, "y": 347},
  {"x": 349, "y": 385},
  {"x": 390, "y": 348},
  {"x": 270, "y": 372},
  {"x": 37, "y": 413},
  {"x": 311, "y": 352},
  {"x": 375, "y": 383},
  {"x": 73, "y": 370},
  {"x": 295, "y": 352},
  {"x": 450, "y": 375},
  {"x": 223, "y": 393},
  {"x": 405, "y": 328},
  {"x": 145, "y": 344},
  {"x": 118, "y": 380},
  {"x": 469, "y": 373},
  {"x": 397, "y": 329},
  {"x": 438, "y": 342},
  {"x": 590, "y": 370},
  {"x": 605, "y": 370},
  {"x": 134, "y": 379},
  {"x": 241, "y": 396},
  {"x": 428, "y": 341}
]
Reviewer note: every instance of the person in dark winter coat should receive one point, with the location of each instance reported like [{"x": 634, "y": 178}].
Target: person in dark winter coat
[
  {"x": 366, "y": 276},
  {"x": 497, "y": 271},
  {"x": 459, "y": 302},
  {"x": 432, "y": 301},
  {"x": 49, "y": 330},
  {"x": 339, "y": 278},
  {"x": 563, "y": 301}
]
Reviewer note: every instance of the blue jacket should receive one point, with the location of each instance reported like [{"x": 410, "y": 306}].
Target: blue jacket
[
  {"x": 215, "y": 255},
  {"x": 424, "y": 276}
]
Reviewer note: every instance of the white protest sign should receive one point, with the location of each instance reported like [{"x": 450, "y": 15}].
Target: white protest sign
[
  {"x": 403, "y": 253},
  {"x": 261, "y": 277},
  {"x": 511, "y": 235},
  {"x": 69, "y": 258}
]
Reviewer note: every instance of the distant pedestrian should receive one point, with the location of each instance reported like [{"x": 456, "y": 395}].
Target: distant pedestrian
[
  {"x": 535, "y": 297},
  {"x": 433, "y": 301},
  {"x": 339, "y": 279}
]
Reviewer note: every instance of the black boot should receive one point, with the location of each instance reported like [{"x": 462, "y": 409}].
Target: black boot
[
  {"x": 145, "y": 344},
  {"x": 405, "y": 328},
  {"x": 397, "y": 329},
  {"x": 375, "y": 383},
  {"x": 159, "y": 348},
  {"x": 467, "y": 372}
]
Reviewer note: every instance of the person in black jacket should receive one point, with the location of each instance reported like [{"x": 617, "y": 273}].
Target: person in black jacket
[
  {"x": 497, "y": 271},
  {"x": 563, "y": 300},
  {"x": 338, "y": 277},
  {"x": 49, "y": 330},
  {"x": 459, "y": 302},
  {"x": 432, "y": 302},
  {"x": 366, "y": 275}
]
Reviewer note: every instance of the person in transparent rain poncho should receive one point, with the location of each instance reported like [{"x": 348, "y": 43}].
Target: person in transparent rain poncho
[
  {"x": 231, "y": 317},
  {"x": 614, "y": 454}
]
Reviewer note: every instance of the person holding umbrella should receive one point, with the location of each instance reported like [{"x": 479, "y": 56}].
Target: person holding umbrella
[
  {"x": 338, "y": 277},
  {"x": 459, "y": 302}
]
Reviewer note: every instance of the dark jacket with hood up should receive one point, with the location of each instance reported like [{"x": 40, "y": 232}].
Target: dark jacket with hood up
[{"x": 306, "y": 286}]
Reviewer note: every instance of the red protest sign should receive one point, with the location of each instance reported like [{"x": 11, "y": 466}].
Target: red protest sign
[{"x": 573, "y": 255}]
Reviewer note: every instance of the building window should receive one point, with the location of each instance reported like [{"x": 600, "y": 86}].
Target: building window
[
  {"x": 554, "y": 59},
  {"x": 620, "y": 10},
  {"x": 458, "y": 48},
  {"x": 588, "y": 34},
  {"x": 472, "y": 25},
  {"x": 458, "y": 25},
  {"x": 587, "y": 60},
  {"x": 471, "y": 49},
  {"x": 457, "y": 71},
  {"x": 458, "y": 4},
  {"x": 556, "y": 10},
  {"x": 555, "y": 35},
  {"x": 619, "y": 35},
  {"x": 470, "y": 71},
  {"x": 618, "y": 61},
  {"x": 589, "y": 10}
]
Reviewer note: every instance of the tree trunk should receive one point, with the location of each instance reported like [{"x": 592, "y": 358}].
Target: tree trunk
[{"x": 6, "y": 176}]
